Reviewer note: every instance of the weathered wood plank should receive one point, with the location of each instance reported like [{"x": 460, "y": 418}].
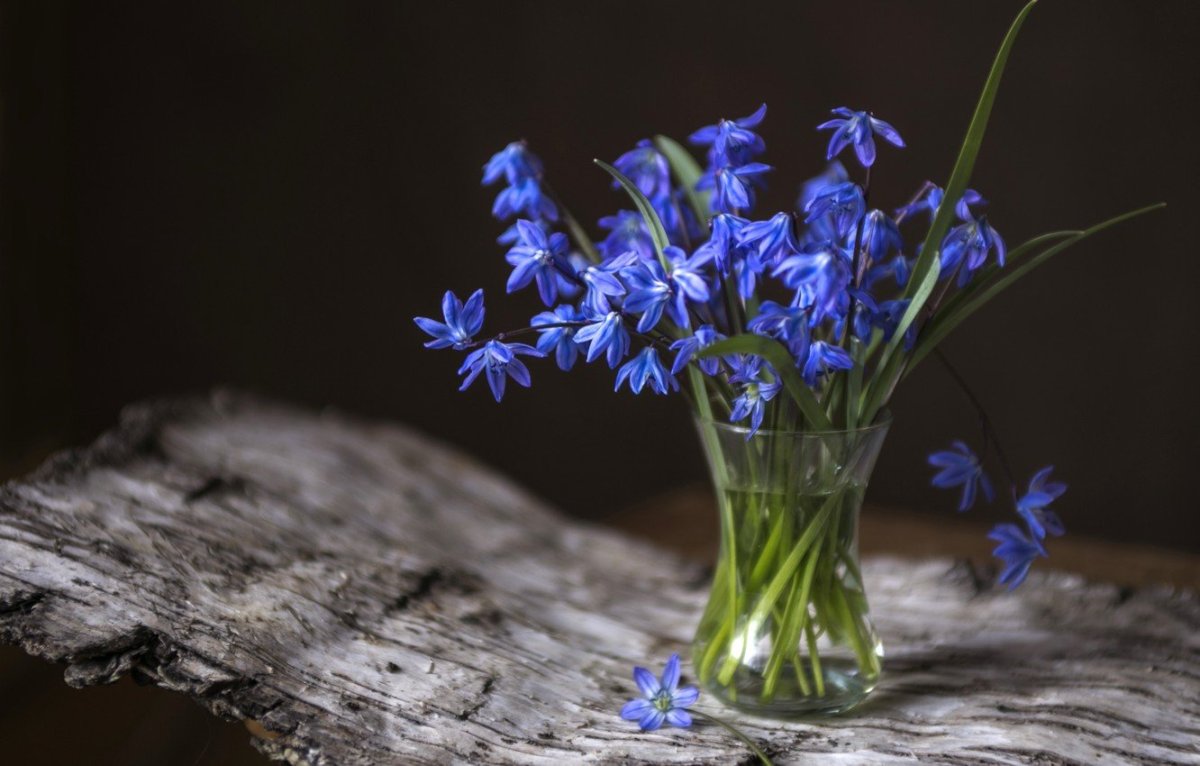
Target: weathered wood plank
[{"x": 368, "y": 596}]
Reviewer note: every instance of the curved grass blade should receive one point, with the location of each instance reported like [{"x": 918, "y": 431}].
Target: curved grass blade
[
  {"x": 657, "y": 232},
  {"x": 774, "y": 352},
  {"x": 1000, "y": 279},
  {"x": 687, "y": 172},
  {"x": 925, "y": 273}
]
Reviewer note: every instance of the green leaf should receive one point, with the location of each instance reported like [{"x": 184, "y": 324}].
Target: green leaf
[
  {"x": 774, "y": 352},
  {"x": 687, "y": 172},
  {"x": 925, "y": 273},
  {"x": 993, "y": 283},
  {"x": 657, "y": 232}
]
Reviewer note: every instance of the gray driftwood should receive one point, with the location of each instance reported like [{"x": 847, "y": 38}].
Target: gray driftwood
[{"x": 368, "y": 596}]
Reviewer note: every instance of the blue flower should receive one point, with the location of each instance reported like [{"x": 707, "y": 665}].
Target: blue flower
[
  {"x": 843, "y": 203},
  {"x": 661, "y": 700},
  {"x": 652, "y": 290},
  {"x": 960, "y": 467},
  {"x": 773, "y": 239},
  {"x": 524, "y": 196},
  {"x": 605, "y": 335},
  {"x": 969, "y": 244},
  {"x": 821, "y": 272},
  {"x": 752, "y": 403},
  {"x": 536, "y": 257},
  {"x": 897, "y": 268},
  {"x": 824, "y": 358},
  {"x": 560, "y": 340},
  {"x": 602, "y": 283},
  {"x": 859, "y": 129},
  {"x": 646, "y": 168},
  {"x": 732, "y": 140},
  {"x": 514, "y": 162},
  {"x": 642, "y": 369},
  {"x": 834, "y": 174},
  {"x": 734, "y": 186},
  {"x": 1017, "y": 550},
  {"x": 676, "y": 217},
  {"x": 462, "y": 322},
  {"x": 880, "y": 236},
  {"x": 786, "y": 323},
  {"x": 1033, "y": 506},
  {"x": 686, "y": 348},
  {"x": 929, "y": 198},
  {"x": 723, "y": 242},
  {"x": 627, "y": 231},
  {"x": 499, "y": 360}
]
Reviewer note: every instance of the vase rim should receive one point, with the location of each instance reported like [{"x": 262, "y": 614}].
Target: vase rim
[{"x": 882, "y": 422}]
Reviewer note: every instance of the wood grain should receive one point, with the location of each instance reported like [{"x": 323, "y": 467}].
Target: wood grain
[{"x": 364, "y": 595}]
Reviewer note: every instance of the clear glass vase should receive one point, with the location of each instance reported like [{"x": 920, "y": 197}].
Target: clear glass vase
[{"x": 787, "y": 631}]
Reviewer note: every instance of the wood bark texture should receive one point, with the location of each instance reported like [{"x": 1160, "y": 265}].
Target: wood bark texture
[{"x": 365, "y": 595}]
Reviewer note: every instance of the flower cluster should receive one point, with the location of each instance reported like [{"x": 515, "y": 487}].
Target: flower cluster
[
  {"x": 1018, "y": 547},
  {"x": 692, "y": 291}
]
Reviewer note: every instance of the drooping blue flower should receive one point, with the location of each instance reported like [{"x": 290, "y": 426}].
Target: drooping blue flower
[
  {"x": 462, "y": 322},
  {"x": 1017, "y": 550},
  {"x": 499, "y": 360},
  {"x": 732, "y": 141},
  {"x": 647, "y": 168},
  {"x": 969, "y": 244},
  {"x": 773, "y": 239},
  {"x": 606, "y": 334},
  {"x": 559, "y": 340},
  {"x": 824, "y": 358},
  {"x": 746, "y": 271},
  {"x": 834, "y": 174},
  {"x": 959, "y": 467},
  {"x": 880, "y": 236},
  {"x": 686, "y": 348},
  {"x": 652, "y": 290},
  {"x": 928, "y": 199},
  {"x": 1033, "y": 506},
  {"x": 859, "y": 129},
  {"x": 662, "y": 699},
  {"x": 788, "y": 324},
  {"x": 821, "y": 272},
  {"x": 514, "y": 162},
  {"x": 897, "y": 268},
  {"x": 627, "y": 232},
  {"x": 645, "y": 368},
  {"x": 723, "y": 242},
  {"x": 525, "y": 195},
  {"x": 602, "y": 285},
  {"x": 752, "y": 403},
  {"x": 734, "y": 186},
  {"x": 536, "y": 256},
  {"x": 843, "y": 204}
]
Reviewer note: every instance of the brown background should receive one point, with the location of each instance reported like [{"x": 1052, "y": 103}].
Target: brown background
[{"x": 264, "y": 194}]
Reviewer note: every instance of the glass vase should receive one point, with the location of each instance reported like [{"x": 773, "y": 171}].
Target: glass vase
[{"x": 787, "y": 631}]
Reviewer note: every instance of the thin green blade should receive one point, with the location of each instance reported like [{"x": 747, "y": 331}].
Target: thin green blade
[{"x": 657, "y": 232}]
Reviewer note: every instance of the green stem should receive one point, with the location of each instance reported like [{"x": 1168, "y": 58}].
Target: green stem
[{"x": 737, "y": 733}]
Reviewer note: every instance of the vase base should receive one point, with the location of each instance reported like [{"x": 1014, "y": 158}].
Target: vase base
[{"x": 843, "y": 690}]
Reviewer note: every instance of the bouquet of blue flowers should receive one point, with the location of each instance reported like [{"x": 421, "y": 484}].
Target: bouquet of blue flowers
[{"x": 788, "y": 334}]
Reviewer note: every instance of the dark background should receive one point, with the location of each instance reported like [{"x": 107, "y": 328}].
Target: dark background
[{"x": 264, "y": 194}]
